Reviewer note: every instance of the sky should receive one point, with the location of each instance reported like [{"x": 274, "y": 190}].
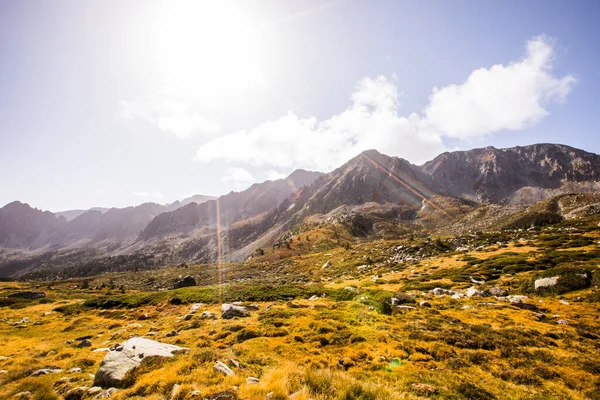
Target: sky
[{"x": 113, "y": 103}]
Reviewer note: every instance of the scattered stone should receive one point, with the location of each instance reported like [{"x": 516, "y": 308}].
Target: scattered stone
[
  {"x": 467, "y": 307},
  {"x": 195, "y": 308},
  {"x": 269, "y": 396},
  {"x": 117, "y": 364},
  {"x": 233, "y": 363},
  {"x": 171, "y": 334},
  {"x": 175, "y": 391},
  {"x": 406, "y": 308},
  {"x": 144, "y": 317},
  {"x": 207, "y": 315},
  {"x": 314, "y": 297},
  {"x": 474, "y": 292},
  {"x": 77, "y": 393},
  {"x": 3, "y": 371},
  {"x": 23, "y": 395},
  {"x": 252, "y": 380},
  {"x": 516, "y": 298},
  {"x": 424, "y": 304},
  {"x": 23, "y": 320},
  {"x": 229, "y": 311},
  {"x": 45, "y": 371},
  {"x": 326, "y": 265},
  {"x": 187, "y": 317},
  {"x": 498, "y": 292},
  {"x": 85, "y": 343},
  {"x": 526, "y": 306},
  {"x": 564, "y": 302},
  {"x": 107, "y": 394},
  {"x": 562, "y": 322},
  {"x": 253, "y": 307},
  {"x": 221, "y": 367},
  {"x": 4, "y": 358},
  {"x": 351, "y": 289},
  {"x": 27, "y": 295},
  {"x": 75, "y": 370},
  {"x": 94, "y": 390},
  {"x": 186, "y": 281},
  {"x": 101, "y": 350},
  {"x": 545, "y": 282}
]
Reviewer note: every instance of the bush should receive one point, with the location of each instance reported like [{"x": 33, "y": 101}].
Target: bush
[{"x": 472, "y": 392}]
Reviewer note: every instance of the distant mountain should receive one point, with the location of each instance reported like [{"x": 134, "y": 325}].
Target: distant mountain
[
  {"x": 197, "y": 198},
  {"x": 24, "y": 227},
  {"x": 230, "y": 208},
  {"x": 515, "y": 175},
  {"x": 72, "y": 214}
]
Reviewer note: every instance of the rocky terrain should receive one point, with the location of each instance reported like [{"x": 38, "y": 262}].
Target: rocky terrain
[
  {"x": 371, "y": 196},
  {"x": 501, "y": 313}
]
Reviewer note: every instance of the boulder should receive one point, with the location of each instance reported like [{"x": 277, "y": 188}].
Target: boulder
[
  {"x": 424, "y": 304},
  {"x": 498, "y": 292},
  {"x": 229, "y": 311},
  {"x": 252, "y": 380},
  {"x": 187, "y": 317},
  {"x": 474, "y": 292},
  {"x": 27, "y": 295},
  {"x": 195, "y": 308},
  {"x": 207, "y": 315},
  {"x": 562, "y": 280},
  {"x": 221, "y": 367},
  {"x": 186, "y": 281},
  {"x": 545, "y": 282},
  {"x": 85, "y": 343},
  {"x": 117, "y": 364}
]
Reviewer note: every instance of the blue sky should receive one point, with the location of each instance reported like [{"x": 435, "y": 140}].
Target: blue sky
[{"x": 115, "y": 103}]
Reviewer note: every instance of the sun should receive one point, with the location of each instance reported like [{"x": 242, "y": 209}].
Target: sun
[{"x": 207, "y": 51}]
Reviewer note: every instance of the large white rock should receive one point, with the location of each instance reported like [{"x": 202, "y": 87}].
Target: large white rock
[
  {"x": 117, "y": 364},
  {"x": 229, "y": 311},
  {"x": 545, "y": 282}
]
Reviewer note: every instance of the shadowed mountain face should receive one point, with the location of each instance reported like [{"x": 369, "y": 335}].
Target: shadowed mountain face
[
  {"x": 23, "y": 227},
  {"x": 493, "y": 175},
  {"x": 231, "y": 208}
]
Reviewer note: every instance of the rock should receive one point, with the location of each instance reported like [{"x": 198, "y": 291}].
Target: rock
[
  {"x": 27, "y": 295},
  {"x": 351, "y": 289},
  {"x": 314, "y": 297},
  {"x": 474, "y": 292},
  {"x": 540, "y": 317},
  {"x": 186, "y": 281},
  {"x": 77, "y": 393},
  {"x": 269, "y": 396},
  {"x": 175, "y": 391},
  {"x": 424, "y": 304},
  {"x": 406, "y": 308},
  {"x": 117, "y": 364},
  {"x": 221, "y": 367},
  {"x": 207, "y": 315},
  {"x": 3, "y": 371},
  {"x": 195, "y": 308},
  {"x": 85, "y": 343},
  {"x": 326, "y": 265},
  {"x": 566, "y": 303},
  {"x": 438, "y": 291},
  {"x": 467, "y": 307},
  {"x": 233, "y": 363},
  {"x": 94, "y": 390},
  {"x": 545, "y": 282},
  {"x": 101, "y": 350},
  {"x": 498, "y": 292},
  {"x": 187, "y": 317},
  {"x": 229, "y": 311},
  {"x": 23, "y": 395},
  {"x": 45, "y": 371},
  {"x": 253, "y": 307},
  {"x": 252, "y": 380},
  {"x": 144, "y": 317},
  {"x": 4, "y": 358},
  {"x": 562, "y": 322},
  {"x": 457, "y": 296},
  {"x": 75, "y": 370},
  {"x": 23, "y": 320},
  {"x": 195, "y": 393},
  {"x": 107, "y": 394},
  {"x": 516, "y": 298}
]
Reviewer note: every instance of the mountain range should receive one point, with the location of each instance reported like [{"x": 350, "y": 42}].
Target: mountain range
[{"x": 371, "y": 194}]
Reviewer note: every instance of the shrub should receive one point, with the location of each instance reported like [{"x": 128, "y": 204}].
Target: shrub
[{"x": 472, "y": 392}]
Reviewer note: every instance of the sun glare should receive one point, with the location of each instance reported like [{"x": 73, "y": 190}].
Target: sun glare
[{"x": 208, "y": 51}]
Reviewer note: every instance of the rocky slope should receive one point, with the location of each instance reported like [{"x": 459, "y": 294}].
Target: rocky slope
[{"x": 518, "y": 174}]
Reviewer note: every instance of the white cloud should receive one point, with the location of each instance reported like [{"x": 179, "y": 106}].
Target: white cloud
[
  {"x": 99, "y": 191},
  {"x": 508, "y": 97},
  {"x": 169, "y": 114},
  {"x": 239, "y": 177},
  {"x": 274, "y": 175}
]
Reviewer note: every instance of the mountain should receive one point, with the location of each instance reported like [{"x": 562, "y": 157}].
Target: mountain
[
  {"x": 230, "y": 208},
  {"x": 197, "y": 198},
  {"x": 72, "y": 214},
  {"x": 24, "y": 227},
  {"x": 515, "y": 175}
]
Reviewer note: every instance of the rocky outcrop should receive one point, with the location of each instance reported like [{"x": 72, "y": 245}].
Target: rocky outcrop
[{"x": 117, "y": 364}]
